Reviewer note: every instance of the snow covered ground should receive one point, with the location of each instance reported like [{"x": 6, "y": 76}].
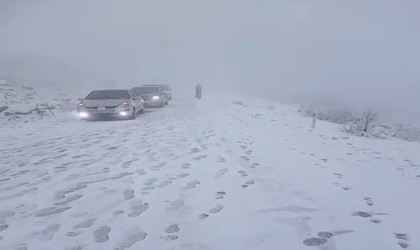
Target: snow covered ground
[{"x": 223, "y": 173}]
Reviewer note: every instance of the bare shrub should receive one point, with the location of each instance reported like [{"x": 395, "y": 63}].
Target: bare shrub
[
  {"x": 340, "y": 116},
  {"x": 365, "y": 126}
]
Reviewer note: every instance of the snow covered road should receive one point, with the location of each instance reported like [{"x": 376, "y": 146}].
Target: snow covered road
[{"x": 216, "y": 174}]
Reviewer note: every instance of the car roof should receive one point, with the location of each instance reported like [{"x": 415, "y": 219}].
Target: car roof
[
  {"x": 146, "y": 86},
  {"x": 157, "y": 85},
  {"x": 98, "y": 90}
]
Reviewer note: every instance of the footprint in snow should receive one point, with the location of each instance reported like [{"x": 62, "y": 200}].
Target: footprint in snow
[
  {"x": 85, "y": 224},
  {"x": 203, "y": 216},
  {"x": 221, "y": 159},
  {"x": 369, "y": 215},
  {"x": 255, "y": 165},
  {"x": 50, "y": 211},
  {"x": 183, "y": 175},
  {"x": 311, "y": 242},
  {"x": 121, "y": 175},
  {"x": 245, "y": 158},
  {"x": 128, "y": 194},
  {"x": 242, "y": 173},
  {"x": 220, "y": 172},
  {"x": 62, "y": 194},
  {"x": 3, "y": 227},
  {"x": 192, "y": 185},
  {"x": 171, "y": 230},
  {"x": 118, "y": 212},
  {"x": 175, "y": 205},
  {"x": 150, "y": 181},
  {"x": 101, "y": 234},
  {"x": 158, "y": 166},
  {"x": 248, "y": 183},
  {"x": 48, "y": 233},
  {"x": 73, "y": 233},
  {"x": 216, "y": 209},
  {"x": 137, "y": 208},
  {"x": 22, "y": 247},
  {"x": 126, "y": 164},
  {"x": 164, "y": 183},
  {"x": 220, "y": 195},
  {"x": 200, "y": 157},
  {"x": 194, "y": 150},
  {"x": 186, "y": 165},
  {"x": 363, "y": 214},
  {"x": 376, "y": 221},
  {"x": 403, "y": 239},
  {"x": 149, "y": 188},
  {"x": 130, "y": 240},
  {"x": 369, "y": 201},
  {"x": 69, "y": 200},
  {"x": 325, "y": 234},
  {"x": 140, "y": 171}
]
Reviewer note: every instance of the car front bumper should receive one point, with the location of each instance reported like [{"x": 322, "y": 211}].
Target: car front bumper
[
  {"x": 104, "y": 114},
  {"x": 152, "y": 103}
]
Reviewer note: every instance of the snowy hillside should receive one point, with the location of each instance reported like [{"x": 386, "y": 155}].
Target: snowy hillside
[
  {"x": 223, "y": 173},
  {"x": 24, "y": 103}
]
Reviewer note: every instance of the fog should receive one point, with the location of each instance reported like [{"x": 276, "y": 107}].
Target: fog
[{"x": 354, "y": 51}]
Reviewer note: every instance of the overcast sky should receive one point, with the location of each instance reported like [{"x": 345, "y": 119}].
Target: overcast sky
[{"x": 273, "y": 48}]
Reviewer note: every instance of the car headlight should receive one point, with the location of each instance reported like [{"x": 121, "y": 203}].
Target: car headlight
[
  {"x": 155, "y": 97},
  {"x": 83, "y": 114},
  {"x": 80, "y": 106},
  {"x": 124, "y": 105}
]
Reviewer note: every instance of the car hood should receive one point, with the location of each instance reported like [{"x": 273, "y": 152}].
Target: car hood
[{"x": 103, "y": 103}]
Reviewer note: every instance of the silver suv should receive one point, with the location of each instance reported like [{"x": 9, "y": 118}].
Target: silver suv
[
  {"x": 166, "y": 89},
  {"x": 154, "y": 96},
  {"x": 106, "y": 104}
]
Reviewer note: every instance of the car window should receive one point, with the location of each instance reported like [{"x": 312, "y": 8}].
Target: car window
[
  {"x": 146, "y": 90},
  {"x": 132, "y": 94},
  {"x": 108, "y": 94}
]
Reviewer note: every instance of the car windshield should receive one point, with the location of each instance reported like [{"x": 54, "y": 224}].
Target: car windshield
[
  {"x": 108, "y": 94},
  {"x": 146, "y": 90}
]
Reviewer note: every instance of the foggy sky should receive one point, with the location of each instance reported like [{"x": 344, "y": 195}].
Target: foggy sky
[{"x": 354, "y": 50}]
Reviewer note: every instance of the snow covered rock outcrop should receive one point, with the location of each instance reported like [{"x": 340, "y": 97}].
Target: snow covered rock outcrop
[{"x": 24, "y": 103}]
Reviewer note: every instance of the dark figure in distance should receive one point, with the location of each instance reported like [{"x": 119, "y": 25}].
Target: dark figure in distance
[{"x": 198, "y": 90}]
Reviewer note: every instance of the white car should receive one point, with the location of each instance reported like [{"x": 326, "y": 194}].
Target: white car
[{"x": 110, "y": 104}]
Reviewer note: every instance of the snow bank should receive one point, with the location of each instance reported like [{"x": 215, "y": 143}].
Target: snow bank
[
  {"x": 353, "y": 123},
  {"x": 20, "y": 102}
]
